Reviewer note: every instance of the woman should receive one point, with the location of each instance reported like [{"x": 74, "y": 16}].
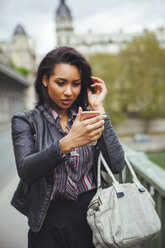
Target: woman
[{"x": 55, "y": 159}]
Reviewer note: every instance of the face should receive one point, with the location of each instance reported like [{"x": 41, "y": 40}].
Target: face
[{"x": 64, "y": 86}]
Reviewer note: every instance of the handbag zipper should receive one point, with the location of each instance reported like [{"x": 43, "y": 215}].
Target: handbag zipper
[
  {"x": 93, "y": 202},
  {"x": 100, "y": 203}
]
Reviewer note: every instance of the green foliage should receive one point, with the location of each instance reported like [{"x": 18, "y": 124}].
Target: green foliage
[
  {"x": 21, "y": 70},
  {"x": 158, "y": 158},
  {"x": 135, "y": 78},
  {"x": 142, "y": 65},
  {"x": 106, "y": 66}
]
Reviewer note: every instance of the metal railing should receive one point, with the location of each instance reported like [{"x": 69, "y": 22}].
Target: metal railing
[{"x": 153, "y": 178}]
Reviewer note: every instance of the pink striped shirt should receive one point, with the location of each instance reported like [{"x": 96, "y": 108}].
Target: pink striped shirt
[{"x": 74, "y": 176}]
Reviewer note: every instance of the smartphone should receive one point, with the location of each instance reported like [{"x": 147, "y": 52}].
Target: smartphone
[{"x": 89, "y": 114}]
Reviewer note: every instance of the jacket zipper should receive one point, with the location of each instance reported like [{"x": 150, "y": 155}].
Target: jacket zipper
[
  {"x": 25, "y": 189},
  {"x": 43, "y": 218},
  {"x": 35, "y": 138}
]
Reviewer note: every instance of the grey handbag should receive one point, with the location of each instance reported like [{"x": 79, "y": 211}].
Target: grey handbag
[{"x": 122, "y": 215}]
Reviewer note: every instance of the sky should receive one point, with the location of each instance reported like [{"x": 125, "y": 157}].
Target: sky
[{"x": 100, "y": 16}]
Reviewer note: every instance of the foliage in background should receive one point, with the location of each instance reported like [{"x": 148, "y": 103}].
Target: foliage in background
[
  {"x": 142, "y": 65},
  {"x": 135, "y": 78},
  {"x": 158, "y": 158},
  {"x": 21, "y": 70},
  {"x": 106, "y": 66}
]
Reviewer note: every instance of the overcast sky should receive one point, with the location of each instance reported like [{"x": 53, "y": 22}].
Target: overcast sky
[{"x": 38, "y": 17}]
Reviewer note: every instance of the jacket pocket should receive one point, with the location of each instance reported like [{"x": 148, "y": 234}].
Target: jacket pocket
[{"x": 20, "y": 199}]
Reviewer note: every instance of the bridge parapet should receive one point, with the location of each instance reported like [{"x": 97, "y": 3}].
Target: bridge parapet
[{"x": 153, "y": 178}]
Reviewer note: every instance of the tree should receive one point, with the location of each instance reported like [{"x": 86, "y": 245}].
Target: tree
[
  {"x": 106, "y": 66},
  {"x": 135, "y": 78},
  {"x": 142, "y": 65}
]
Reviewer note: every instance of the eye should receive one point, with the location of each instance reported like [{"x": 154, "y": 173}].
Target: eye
[
  {"x": 76, "y": 84},
  {"x": 60, "y": 83}
]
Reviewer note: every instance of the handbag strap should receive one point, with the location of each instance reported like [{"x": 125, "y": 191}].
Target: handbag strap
[
  {"x": 115, "y": 183},
  {"x": 101, "y": 159}
]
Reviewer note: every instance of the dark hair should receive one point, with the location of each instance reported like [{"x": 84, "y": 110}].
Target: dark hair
[{"x": 66, "y": 55}]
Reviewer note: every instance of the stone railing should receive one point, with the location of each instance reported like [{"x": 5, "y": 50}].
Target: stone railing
[{"x": 153, "y": 178}]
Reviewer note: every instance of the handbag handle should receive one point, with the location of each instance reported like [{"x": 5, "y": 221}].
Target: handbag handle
[{"x": 115, "y": 183}]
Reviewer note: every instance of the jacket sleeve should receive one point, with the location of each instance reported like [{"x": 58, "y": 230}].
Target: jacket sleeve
[
  {"x": 111, "y": 148},
  {"x": 32, "y": 165}
]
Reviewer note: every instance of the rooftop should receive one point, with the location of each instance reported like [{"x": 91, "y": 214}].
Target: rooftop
[
  {"x": 63, "y": 12},
  {"x": 19, "y": 30}
]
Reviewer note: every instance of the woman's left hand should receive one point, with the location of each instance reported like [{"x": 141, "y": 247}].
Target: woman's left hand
[{"x": 96, "y": 100}]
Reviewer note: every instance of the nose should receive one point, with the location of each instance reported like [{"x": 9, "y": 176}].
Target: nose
[{"x": 68, "y": 90}]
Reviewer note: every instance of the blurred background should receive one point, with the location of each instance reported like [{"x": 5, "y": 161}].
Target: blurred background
[{"x": 124, "y": 41}]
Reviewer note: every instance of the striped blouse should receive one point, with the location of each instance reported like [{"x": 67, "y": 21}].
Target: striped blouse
[{"x": 74, "y": 176}]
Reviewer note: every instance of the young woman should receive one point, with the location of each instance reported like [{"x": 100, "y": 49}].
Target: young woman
[{"x": 54, "y": 156}]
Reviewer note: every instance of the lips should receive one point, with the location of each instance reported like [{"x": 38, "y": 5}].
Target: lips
[{"x": 66, "y": 101}]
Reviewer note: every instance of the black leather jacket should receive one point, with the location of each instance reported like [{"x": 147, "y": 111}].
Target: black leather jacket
[{"x": 37, "y": 154}]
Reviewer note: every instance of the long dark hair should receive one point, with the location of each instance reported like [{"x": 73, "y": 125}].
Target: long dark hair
[{"x": 66, "y": 55}]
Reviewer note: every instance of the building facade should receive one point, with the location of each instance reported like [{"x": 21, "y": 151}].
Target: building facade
[
  {"x": 12, "y": 93},
  {"x": 19, "y": 54},
  {"x": 22, "y": 50},
  {"x": 90, "y": 42}
]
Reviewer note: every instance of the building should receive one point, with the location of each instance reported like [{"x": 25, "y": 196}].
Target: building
[
  {"x": 64, "y": 25},
  {"x": 90, "y": 42},
  {"x": 19, "y": 54},
  {"x": 12, "y": 93},
  {"x": 22, "y": 50}
]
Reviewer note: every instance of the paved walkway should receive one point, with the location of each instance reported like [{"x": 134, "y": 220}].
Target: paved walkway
[{"x": 13, "y": 225}]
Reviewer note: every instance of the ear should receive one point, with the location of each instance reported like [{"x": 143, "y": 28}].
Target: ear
[{"x": 44, "y": 81}]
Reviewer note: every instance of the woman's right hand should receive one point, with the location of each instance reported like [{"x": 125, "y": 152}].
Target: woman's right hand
[{"x": 83, "y": 132}]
